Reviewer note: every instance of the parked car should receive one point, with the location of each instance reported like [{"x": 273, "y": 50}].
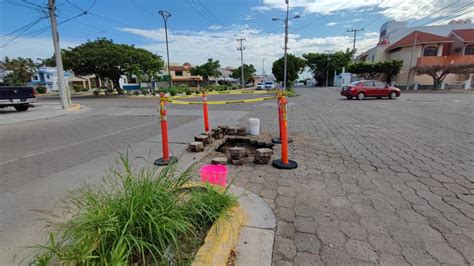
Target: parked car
[
  {"x": 299, "y": 84},
  {"x": 369, "y": 88},
  {"x": 270, "y": 85},
  {"x": 21, "y": 98},
  {"x": 260, "y": 86}
]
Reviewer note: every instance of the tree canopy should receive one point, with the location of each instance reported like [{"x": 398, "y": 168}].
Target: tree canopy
[
  {"x": 295, "y": 65},
  {"x": 207, "y": 70},
  {"x": 320, "y": 64},
  {"x": 375, "y": 70},
  {"x": 249, "y": 72},
  {"x": 22, "y": 70},
  {"x": 107, "y": 59},
  {"x": 439, "y": 72}
]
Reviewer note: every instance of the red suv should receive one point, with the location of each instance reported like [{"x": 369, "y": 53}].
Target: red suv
[{"x": 369, "y": 88}]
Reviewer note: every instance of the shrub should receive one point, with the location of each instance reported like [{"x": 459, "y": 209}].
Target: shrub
[
  {"x": 76, "y": 88},
  {"x": 84, "y": 89},
  {"x": 173, "y": 91},
  {"x": 41, "y": 89},
  {"x": 187, "y": 91},
  {"x": 143, "y": 217},
  {"x": 96, "y": 92}
]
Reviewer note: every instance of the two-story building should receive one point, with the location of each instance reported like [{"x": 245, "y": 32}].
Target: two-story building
[
  {"x": 181, "y": 75},
  {"x": 420, "y": 46},
  {"x": 47, "y": 77}
]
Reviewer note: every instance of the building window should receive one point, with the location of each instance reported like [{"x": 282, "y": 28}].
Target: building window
[
  {"x": 35, "y": 77},
  {"x": 430, "y": 51},
  {"x": 469, "y": 50},
  {"x": 47, "y": 76},
  {"x": 373, "y": 57},
  {"x": 178, "y": 73}
]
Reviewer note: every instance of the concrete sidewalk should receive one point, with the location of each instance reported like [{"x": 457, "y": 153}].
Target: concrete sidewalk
[
  {"x": 39, "y": 111},
  {"x": 19, "y": 224}
]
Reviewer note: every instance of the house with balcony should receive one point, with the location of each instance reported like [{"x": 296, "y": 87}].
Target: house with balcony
[
  {"x": 425, "y": 46},
  {"x": 181, "y": 75}
]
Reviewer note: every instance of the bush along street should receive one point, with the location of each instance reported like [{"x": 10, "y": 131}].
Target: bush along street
[{"x": 137, "y": 217}]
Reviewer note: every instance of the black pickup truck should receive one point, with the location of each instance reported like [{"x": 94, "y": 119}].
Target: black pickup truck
[{"x": 21, "y": 98}]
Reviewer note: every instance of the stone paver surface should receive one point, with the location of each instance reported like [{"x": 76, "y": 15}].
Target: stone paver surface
[{"x": 379, "y": 181}]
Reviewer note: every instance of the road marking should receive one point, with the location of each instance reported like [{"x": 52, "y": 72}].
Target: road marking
[{"x": 76, "y": 143}]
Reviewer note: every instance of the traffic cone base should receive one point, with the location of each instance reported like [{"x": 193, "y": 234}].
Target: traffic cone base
[
  {"x": 280, "y": 165},
  {"x": 163, "y": 162},
  {"x": 277, "y": 140}
]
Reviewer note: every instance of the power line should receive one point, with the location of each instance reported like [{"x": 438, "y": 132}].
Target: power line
[
  {"x": 25, "y": 29},
  {"x": 214, "y": 17},
  {"x": 321, "y": 17},
  {"x": 204, "y": 15}
]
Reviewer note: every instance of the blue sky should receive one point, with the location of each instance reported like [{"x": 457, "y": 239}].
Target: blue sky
[{"x": 201, "y": 29}]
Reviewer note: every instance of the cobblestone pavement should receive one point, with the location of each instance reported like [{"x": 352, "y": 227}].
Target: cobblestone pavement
[{"x": 380, "y": 181}]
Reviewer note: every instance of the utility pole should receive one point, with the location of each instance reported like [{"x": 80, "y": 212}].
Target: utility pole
[
  {"x": 263, "y": 69},
  {"x": 354, "y": 42},
  {"x": 241, "y": 48},
  {"x": 63, "y": 90},
  {"x": 165, "y": 16},
  {"x": 411, "y": 61}
]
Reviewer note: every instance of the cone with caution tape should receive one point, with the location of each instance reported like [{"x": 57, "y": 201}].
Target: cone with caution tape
[
  {"x": 277, "y": 140},
  {"x": 284, "y": 162},
  {"x": 166, "y": 159},
  {"x": 205, "y": 111}
]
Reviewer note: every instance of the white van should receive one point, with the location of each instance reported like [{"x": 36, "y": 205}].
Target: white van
[{"x": 270, "y": 85}]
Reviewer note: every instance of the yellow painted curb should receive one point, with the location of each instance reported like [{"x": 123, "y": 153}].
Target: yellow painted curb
[
  {"x": 74, "y": 107},
  {"x": 221, "y": 238}
]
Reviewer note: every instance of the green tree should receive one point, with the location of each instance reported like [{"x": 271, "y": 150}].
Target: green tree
[
  {"x": 439, "y": 72},
  {"x": 295, "y": 65},
  {"x": 207, "y": 70},
  {"x": 106, "y": 59},
  {"x": 322, "y": 64},
  {"x": 22, "y": 70},
  {"x": 375, "y": 70},
  {"x": 249, "y": 72}
]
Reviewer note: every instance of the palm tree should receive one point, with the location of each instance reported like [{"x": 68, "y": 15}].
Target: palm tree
[{"x": 22, "y": 70}]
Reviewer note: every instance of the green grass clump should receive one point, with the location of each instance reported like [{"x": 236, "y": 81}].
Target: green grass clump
[{"x": 144, "y": 217}]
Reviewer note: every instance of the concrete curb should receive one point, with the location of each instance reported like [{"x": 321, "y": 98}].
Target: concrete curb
[
  {"x": 255, "y": 244},
  {"x": 74, "y": 107}
]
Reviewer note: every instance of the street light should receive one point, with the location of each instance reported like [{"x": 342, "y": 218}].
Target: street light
[
  {"x": 286, "y": 39},
  {"x": 165, "y": 16}
]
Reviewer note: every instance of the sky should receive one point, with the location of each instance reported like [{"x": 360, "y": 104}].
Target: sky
[{"x": 202, "y": 29}]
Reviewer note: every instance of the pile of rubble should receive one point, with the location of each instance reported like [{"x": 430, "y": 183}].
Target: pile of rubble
[{"x": 237, "y": 146}]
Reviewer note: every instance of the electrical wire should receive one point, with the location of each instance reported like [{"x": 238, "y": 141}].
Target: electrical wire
[
  {"x": 191, "y": 4},
  {"x": 25, "y": 29}
]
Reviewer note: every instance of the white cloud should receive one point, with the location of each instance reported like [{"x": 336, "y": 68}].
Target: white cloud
[
  {"x": 248, "y": 17},
  {"x": 395, "y": 9},
  {"x": 331, "y": 23},
  {"x": 215, "y": 27},
  {"x": 38, "y": 47},
  {"x": 196, "y": 48}
]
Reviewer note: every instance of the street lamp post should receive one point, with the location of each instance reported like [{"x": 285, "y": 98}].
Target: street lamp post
[
  {"x": 165, "y": 16},
  {"x": 286, "y": 41}
]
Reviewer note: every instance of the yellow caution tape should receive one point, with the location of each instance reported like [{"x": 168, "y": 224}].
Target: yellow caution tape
[
  {"x": 242, "y": 92},
  {"x": 225, "y": 102}
]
